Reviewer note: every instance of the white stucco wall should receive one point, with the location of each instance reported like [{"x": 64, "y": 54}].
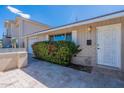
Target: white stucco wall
[{"x": 30, "y": 28}]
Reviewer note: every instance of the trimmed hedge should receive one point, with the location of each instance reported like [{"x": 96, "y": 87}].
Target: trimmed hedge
[{"x": 59, "y": 52}]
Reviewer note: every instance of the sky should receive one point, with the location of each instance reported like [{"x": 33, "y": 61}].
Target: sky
[{"x": 54, "y": 15}]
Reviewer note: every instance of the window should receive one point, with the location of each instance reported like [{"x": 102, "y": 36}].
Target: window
[
  {"x": 67, "y": 37},
  {"x": 59, "y": 37}
]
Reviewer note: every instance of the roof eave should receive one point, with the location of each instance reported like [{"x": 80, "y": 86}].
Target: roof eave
[{"x": 107, "y": 17}]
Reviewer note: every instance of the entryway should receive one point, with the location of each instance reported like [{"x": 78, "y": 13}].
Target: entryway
[{"x": 109, "y": 45}]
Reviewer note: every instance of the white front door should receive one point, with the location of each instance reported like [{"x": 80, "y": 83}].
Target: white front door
[{"x": 109, "y": 45}]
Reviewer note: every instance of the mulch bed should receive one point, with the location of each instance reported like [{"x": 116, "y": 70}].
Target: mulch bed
[{"x": 81, "y": 68}]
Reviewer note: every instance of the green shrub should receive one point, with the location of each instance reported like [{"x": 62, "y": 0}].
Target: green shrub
[{"x": 59, "y": 52}]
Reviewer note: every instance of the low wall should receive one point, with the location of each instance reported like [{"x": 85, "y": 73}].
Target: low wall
[
  {"x": 3, "y": 50},
  {"x": 84, "y": 60},
  {"x": 11, "y": 58}
]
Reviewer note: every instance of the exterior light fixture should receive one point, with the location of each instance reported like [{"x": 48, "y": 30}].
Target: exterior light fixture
[
  {"x": 89, "y": 28},
  {"x": 89, "y": 41}
]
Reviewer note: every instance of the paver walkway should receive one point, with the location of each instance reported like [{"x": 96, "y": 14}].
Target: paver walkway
[{"x": 43, "y": 74}]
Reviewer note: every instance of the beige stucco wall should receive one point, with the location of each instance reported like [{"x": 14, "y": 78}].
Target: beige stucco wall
[
  {"x": 88, "y": 54},
  {"x": 14, "y": 30},
  {"x": 13, "y": 58},
  {"x": 30, "y": 28}
]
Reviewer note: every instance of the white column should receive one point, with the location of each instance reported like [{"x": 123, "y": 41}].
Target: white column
[
  {"x": 20, "y": 33},
  {"x": 74, "y": 36}
]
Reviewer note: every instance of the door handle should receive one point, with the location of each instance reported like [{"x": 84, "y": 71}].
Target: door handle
[{"x": 98, "y": 48}]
